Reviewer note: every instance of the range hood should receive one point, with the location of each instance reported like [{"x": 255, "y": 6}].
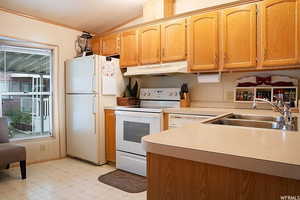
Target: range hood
[{"x": 164, "y": 68}]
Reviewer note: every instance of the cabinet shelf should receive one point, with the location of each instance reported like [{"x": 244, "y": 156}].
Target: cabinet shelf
[{"x": 247, "y": 94}]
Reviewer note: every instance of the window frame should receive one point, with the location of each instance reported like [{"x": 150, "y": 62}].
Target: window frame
[{"x": 39, "y": 50}]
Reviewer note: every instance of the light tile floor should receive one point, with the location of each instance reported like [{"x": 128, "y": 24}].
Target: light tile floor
[{"x": 66, "y": 179}]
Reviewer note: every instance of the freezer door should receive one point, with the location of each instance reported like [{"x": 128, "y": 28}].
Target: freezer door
[
  {"x": 81, "y": 127},
  {"x": 81, "y": 75}
]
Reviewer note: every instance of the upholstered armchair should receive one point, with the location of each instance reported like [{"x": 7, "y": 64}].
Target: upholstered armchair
[{"x": 11, "y": 153}]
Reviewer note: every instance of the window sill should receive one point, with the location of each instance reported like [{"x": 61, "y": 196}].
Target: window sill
[{"x": 28, "y": 139}]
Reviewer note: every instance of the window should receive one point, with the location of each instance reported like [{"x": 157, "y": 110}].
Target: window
[{"x": 25, "y": 91}]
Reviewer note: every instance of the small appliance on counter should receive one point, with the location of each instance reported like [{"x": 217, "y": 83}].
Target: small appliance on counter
[
  {"x": 82, "y": 45},
  {"x": 132, "y": 123}
]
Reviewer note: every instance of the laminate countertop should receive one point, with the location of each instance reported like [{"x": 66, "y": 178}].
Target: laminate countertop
[{"x": 267, "y": 151}]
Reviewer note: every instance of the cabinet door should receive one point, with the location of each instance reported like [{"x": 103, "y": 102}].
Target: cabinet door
[
  {"x": 279, "y": 32},
  {"x": 111, "y": 45},
  {"x": 203, "y": 42},
  {"x": 173, "y": 40},
  {"x": 110, "y": 135},
  {"x": 96, "y": 45},
  {"x": 129, "y": 48},
  {"x": 149, "y": 45},
  {"x": 239, "y": 37}
]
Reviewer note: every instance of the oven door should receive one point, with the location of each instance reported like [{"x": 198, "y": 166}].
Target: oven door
[{"x": 132, "y": 126}]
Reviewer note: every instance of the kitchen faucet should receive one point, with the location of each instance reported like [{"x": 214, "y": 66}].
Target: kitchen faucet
[{"x": 284, "y": 111}]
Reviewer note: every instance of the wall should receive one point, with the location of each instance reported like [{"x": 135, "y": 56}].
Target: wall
[
  {"x": 182, "y": 6},
  {"x": 153, "y": 9},
  {"x": 211, "y": 94},
  {"x": 62, "y": 40}
]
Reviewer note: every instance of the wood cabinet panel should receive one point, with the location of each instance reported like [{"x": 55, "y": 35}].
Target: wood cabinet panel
[
  {"x": 173, "y": 40},
  {"x": 111, "y": 45},
  {"x": 166, "y": 121},
  {"x": 203, "y": 42},
  {"x": 238, "y": 38},
  {"x": 129, "y": 48},
  {"x": 279, "y": 32},
  {"x": 149, "y": 44},
  {"x": 110, "y": 135},
  {"x": 171, "y": 178},
  {"x": 96, "y": 44}
]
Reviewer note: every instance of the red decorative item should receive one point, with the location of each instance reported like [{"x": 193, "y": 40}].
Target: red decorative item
[
  {"x": 247, "y": 84},
  {"x": 282, "y": 84},
  {"x": 263, "y": 80}
]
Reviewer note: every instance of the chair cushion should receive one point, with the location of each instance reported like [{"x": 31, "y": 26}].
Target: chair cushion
[
  {"x": 10, "y": 153},
  {"x": 3, "y": 131}
]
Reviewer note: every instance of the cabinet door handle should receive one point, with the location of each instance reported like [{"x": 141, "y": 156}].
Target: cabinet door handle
[
  {"x": 163, "y": 52},
  {"x": 216, "y": 59},
  {"x": 225, "y": 57},
  {"x": 118, "y": 44},
  {"x": 265, "y": 53},
  {"x": 157, "y": 53}
]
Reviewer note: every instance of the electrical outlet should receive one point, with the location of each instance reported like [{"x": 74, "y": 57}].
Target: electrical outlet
[{"x": 42, "y": 147}]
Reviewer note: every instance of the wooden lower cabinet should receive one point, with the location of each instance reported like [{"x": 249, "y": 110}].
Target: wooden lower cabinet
[
  {"x": 177, "y": 179},
  {"x": 166, "y": 121},
  {"x": 110, "y": 135}
]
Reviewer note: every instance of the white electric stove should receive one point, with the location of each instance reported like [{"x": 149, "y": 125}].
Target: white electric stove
[{"x": 133, "y": 123}]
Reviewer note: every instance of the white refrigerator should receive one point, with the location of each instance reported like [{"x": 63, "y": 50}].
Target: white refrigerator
[{"x": 85, "y": 104}]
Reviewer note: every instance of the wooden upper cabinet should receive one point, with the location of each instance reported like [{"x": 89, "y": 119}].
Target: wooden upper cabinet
[
  {"x": 149, "y": 44},
  {"x": 96, "y": 44},
  {"x": 238, "y": 37},
  {"x": 111, "y": 45},
  {"x": 279, "y": 32},
  {"x": 203, "y": 53},
  {"x": 129, "y": 48},
  {"x": 173, "y": 40}
]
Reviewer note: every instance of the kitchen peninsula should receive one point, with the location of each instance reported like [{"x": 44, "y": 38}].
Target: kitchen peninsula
[{"x": 208, "y": 161}]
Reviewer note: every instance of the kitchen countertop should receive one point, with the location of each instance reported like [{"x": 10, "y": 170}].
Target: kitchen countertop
[{"x": 267, "y": 151}]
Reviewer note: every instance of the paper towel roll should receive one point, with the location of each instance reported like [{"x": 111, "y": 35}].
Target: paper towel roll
[{"x": 209, "y": 78}]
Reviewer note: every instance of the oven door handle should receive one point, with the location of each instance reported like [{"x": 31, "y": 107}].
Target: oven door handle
[{"x": 138, "y": 114}]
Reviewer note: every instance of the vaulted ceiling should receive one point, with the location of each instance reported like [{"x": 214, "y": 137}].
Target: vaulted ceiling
[{"x": 88, "y": 15}]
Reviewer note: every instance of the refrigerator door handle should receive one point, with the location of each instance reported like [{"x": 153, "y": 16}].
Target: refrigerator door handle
[
  {"x": 94, "y": 77},
  {"x": 94, "y": 104},
  {"x": 93, "y": 84},
  {"x": 95, "y": 125},
  {"x": 94, "y": 114}
]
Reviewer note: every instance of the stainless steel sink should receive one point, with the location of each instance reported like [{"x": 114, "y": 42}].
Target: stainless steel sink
[
  {"x": 256, "y": 121},
  {"x": 256, "y": 117},
  {"x": 248, "y": 123}
]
